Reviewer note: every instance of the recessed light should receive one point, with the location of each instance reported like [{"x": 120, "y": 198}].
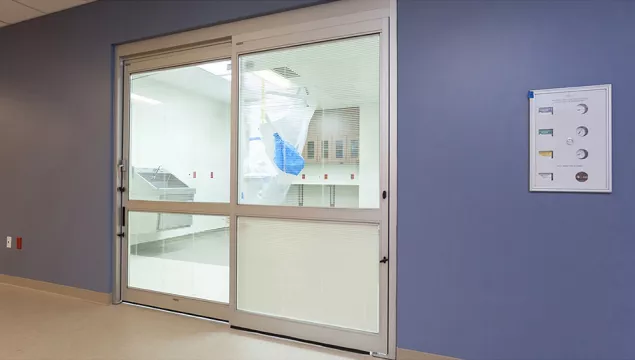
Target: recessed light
[
  {"x": 144, "y": 99},
  {"x": 218, "y": 68},
  {"x": 273, "y": 78}
]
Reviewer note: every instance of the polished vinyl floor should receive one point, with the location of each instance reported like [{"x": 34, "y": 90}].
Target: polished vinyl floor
[{"x": 39, "y": 326}]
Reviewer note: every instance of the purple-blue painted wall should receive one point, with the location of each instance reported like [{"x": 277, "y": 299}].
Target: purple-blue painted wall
[{"x": 487, "y": 270}]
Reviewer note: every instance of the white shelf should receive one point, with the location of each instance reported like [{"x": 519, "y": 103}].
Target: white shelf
[{"x": 309, "y": 182}]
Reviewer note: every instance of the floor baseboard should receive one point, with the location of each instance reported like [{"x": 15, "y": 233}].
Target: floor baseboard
[
  {"x": 405, "y": 354},
  {"x": 83, "y": 294}
]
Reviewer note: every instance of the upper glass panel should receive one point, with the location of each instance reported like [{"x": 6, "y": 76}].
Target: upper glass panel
[
  {"x": 309, "y": 125},
  {"x": 180, "y": 134}
]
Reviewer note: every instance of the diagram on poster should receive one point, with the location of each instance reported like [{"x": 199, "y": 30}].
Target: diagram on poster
[{"x": 570, "y": 140}]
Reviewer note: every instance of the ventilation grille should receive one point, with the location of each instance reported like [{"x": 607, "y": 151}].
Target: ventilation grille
[{"x": 285, "y": 72}]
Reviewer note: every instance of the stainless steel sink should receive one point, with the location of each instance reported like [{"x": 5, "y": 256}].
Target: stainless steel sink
[{"x": 162, "y": 180}]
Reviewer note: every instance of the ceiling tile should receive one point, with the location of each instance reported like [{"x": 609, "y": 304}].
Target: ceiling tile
[
  {"x": 12, "y": 12},
  {"x": 49, "y": 6}
]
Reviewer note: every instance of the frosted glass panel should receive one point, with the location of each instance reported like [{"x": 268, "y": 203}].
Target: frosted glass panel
[
  {"x": 309, "y": 116},
  {"x": 179, "y": 254},
  {"x": 314, "y": 271},
  {"x": 179, "y": 134}
]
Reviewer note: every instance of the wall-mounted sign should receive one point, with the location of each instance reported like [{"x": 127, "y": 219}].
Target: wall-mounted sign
[{"x": 570, "y": 139}]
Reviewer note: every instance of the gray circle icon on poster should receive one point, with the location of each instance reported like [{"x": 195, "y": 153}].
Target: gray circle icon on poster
[
  {"x": 582, "y": 154},
  {"x": 582, "y": 108},
  {"x": 582, "y": 176},
  {"x": 582, "y": 131}
]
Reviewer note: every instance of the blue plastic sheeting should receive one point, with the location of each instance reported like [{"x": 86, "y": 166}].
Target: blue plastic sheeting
[{"x": 286, "y": 156}]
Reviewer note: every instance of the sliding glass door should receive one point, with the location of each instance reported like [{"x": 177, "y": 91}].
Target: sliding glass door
[
  {"x": 254, "y": 183},
  {"x": 178, "y": 181},
  {"x": 312, "y": 173}
]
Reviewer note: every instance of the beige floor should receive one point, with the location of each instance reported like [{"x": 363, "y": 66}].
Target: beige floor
[{"x": 36, "y": 326}]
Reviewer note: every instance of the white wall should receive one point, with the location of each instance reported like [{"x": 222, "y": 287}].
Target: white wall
[
  {"x": 369, "y": 155},
  {"x": 185, "y": 133}
]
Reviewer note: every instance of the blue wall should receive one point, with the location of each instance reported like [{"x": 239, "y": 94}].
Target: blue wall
[
  {"x": 486, "y": 269},
  {"x": 56, "y": 129}
]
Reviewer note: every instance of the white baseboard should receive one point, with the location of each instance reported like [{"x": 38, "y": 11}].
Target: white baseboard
[
  {"x": 405, "y": 354},
  {"x": 83, "y": 294}
]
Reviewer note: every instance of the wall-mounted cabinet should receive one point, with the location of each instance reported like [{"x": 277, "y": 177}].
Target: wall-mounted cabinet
[{"x": 333, "y": 137}]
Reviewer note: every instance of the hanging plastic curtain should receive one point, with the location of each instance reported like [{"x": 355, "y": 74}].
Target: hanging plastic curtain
[{"x": 278, "y": 126}]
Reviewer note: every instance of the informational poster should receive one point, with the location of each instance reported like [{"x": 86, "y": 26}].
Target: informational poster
[{"x": 570, "y": 139}]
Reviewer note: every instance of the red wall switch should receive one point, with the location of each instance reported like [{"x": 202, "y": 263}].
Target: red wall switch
[
  {"x": 18, "y": 243},
  {"x": 326, "y": 176},
  {"x": 194, "y": 174},
  {"x": 303, "y": 176},
  {"x": 211, "y": 175}
]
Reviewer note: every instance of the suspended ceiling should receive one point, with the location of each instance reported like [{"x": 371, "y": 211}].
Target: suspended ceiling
[{"x": 15, "y": 11}]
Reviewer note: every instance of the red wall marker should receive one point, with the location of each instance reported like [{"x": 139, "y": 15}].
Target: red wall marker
[
  {"x": 303, "y": 176},
  {"x": 352, "y": 176},
  {"x": 194, "y": 174},
  {"x": 18, "y": 243},
  {"x": 211, "y": 175},
  {"x": 326, "y": 176}
]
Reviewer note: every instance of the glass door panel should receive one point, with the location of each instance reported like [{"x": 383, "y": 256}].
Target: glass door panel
[
  {"x": 297, "y": 109},
  {"x": 180, "y": 134},
  {"x": 314, "y": 271},
  {"x": 178, "y": 186},
  {"x": 190, "y": 258},
  {"x": 310, "y": 136}
]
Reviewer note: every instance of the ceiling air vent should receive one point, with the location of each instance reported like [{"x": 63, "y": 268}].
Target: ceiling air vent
[{"x": 285, "y": 72}]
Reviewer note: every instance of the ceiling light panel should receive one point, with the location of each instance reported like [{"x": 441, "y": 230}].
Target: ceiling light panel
[
  {"x": 273, "y": 78},
  {"x": 144, "y": 99},
  {"x": 218, "y": 68}
]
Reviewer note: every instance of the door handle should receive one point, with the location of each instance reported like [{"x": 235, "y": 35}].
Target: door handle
[{"x": 383, "y": 260}]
